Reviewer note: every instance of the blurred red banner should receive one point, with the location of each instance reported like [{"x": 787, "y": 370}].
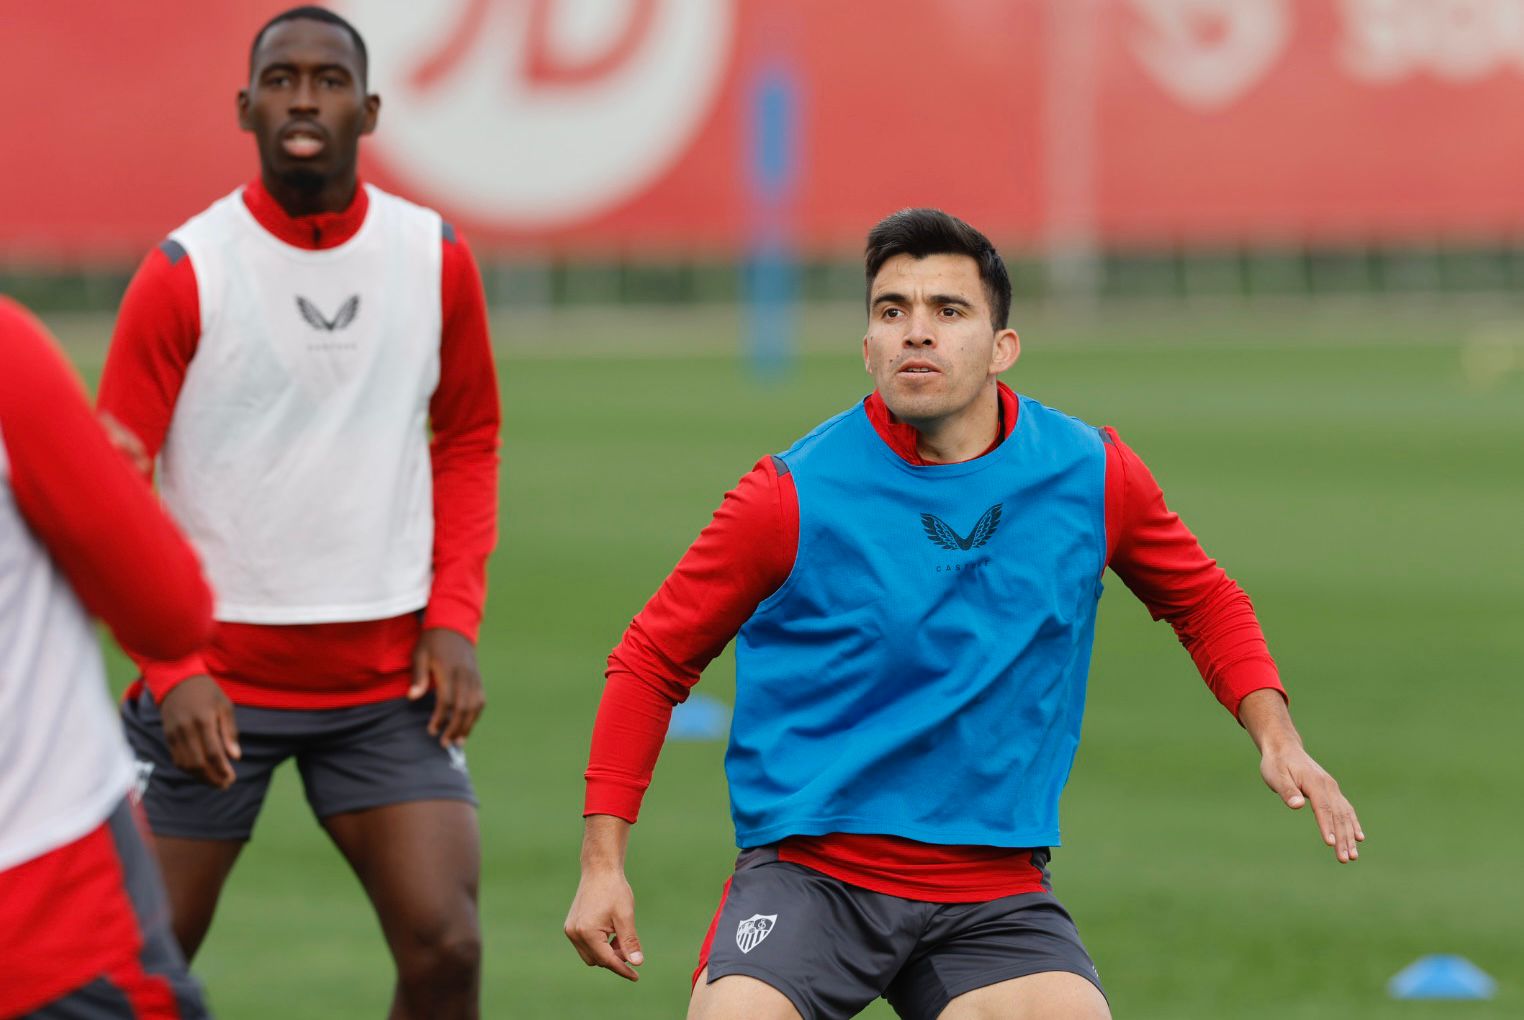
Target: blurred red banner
[{"x": 628, "y": 128}]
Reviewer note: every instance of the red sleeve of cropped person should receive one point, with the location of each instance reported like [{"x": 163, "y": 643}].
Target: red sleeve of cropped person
[
  {"x": 98, "y": 520},
  {"x": 747, "y": 550}
]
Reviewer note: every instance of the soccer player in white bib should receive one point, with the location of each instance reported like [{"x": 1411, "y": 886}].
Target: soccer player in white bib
[
  {"x": 83, "y": 929},
  {"x": 307, "y": 362},
  {"x": 912, "y": 591}
]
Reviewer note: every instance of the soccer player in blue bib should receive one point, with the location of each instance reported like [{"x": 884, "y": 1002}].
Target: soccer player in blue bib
[{"x": 912, "y": 590}]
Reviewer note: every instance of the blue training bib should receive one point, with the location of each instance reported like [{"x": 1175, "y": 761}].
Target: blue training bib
[{"x": 922, "y": 671}]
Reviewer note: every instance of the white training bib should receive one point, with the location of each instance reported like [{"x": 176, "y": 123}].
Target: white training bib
[
  {"x": 297, "y": 459},
  {"x": 64, "y": 766}
]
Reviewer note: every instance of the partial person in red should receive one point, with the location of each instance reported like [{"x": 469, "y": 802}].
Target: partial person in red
[
  {"x": 912, "y": 589},
  {"x": 83, "y": 928},
  {"x": 284, "y": 359}
]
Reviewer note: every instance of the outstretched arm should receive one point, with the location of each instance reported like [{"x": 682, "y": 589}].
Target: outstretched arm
[
  {"x": 739, "y": 559},
  {"x": 1159, "y": 559},
  {"x": 1289, "y": 770},
  {"x": 1163, "y": 564}
]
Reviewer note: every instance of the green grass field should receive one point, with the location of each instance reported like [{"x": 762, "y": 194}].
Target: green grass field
[{"x": 1346, "y": 467}]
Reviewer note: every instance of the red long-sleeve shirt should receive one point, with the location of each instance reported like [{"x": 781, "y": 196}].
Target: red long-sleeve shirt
[
  {"x": 745, "y": 554},
  {"x": 327, "y": 665}
]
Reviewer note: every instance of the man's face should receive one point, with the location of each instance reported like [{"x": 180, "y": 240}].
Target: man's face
[
  {"x": 306, "y": 104},
  {"x": 930, "y": 347}
]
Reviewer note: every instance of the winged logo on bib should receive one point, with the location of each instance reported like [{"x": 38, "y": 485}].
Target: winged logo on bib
[
  {"x": 942, "y": 534},
  {"x": 341, "y": 319}
]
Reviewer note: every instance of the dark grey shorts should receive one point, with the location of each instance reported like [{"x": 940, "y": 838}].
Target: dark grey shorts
[
  {"x": 350, "y": 759},
  {"x": 833, "y": 948},
  {"x": 156, "y": 986}
]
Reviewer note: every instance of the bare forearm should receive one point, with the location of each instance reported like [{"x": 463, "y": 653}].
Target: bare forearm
[
  {"x": 605, "y": 840},
  {"x": 1265, "y": 715},
  {"x": 601, "y": 922}
]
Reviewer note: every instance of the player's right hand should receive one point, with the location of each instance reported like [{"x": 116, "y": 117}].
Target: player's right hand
[
  {"x": 601, "y": 923},
  {"x": 200, "y": 731}
]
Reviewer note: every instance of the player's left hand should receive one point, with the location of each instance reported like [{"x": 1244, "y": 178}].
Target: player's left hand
[
  {"x": 1291, "y": 772},
  {"x": 446, "y": 660}
]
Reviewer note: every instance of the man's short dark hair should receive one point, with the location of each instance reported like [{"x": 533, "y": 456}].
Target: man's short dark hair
[
  {"x": 922, "y": 232},
  {"x": 313, "y": 13}
]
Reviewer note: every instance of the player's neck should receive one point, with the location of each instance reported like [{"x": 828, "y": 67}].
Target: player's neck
[
  {"x": 311, "y": 198},
  {"x": 961, "y": 436}
]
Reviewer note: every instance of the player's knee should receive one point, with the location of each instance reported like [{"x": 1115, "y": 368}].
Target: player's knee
[{"x": 448, "y": 954}]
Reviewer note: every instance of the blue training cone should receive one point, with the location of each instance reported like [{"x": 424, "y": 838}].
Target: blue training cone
[
  {"x": 699, "y": 718},
  {"x": 1441, "y": 977}
]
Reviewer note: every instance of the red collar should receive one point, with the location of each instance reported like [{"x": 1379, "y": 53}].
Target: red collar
[
  {"x": 902, "y": 438},
  {"x": 322, "y": 230}
]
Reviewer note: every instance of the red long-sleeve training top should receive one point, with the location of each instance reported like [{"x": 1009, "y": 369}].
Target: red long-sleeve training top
[
  {"x": 327, "y": 665},
  {"x": 747, "y": 551}
]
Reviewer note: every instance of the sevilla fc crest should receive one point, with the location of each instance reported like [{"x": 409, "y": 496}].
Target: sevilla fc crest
[{"x": 751, "y": 932}]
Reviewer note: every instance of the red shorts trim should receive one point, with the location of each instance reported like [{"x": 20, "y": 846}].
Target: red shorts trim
[{"x": 703, "y": 960}]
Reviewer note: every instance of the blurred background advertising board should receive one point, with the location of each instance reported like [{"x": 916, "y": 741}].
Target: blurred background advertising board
[{"x": 624, "y": 128}]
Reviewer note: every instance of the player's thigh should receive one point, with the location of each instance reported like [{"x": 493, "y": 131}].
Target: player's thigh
[
  {"x": 195, "y": 870},
  {"x": 420, "y": 864},
  {"x": 980, "y": 956},
  {"x": 738, "y": 998},
  {"x": 1054, "y": 995},
  {"x": 403, "y": 812}
]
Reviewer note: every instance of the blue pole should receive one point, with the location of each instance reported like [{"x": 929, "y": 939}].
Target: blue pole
[{"x": 770, "y": 274}]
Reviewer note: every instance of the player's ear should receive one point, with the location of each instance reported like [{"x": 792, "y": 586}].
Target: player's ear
[
  {"x": 372, "y": 113},
  {"x": 867, "y": 364},
  {"x": 243, "y": 111},
  {"x": 1007, "y": 350}
]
